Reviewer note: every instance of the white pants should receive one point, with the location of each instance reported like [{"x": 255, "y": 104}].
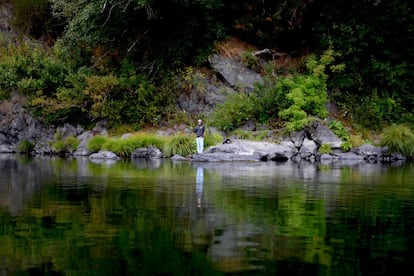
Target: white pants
[{"x": 200, "y": 144}]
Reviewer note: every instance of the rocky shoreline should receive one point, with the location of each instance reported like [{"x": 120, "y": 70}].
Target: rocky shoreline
[{"x": 301, "y": 145}]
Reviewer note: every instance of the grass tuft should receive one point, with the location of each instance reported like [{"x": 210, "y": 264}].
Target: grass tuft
[{"x": 398, "y": 138}]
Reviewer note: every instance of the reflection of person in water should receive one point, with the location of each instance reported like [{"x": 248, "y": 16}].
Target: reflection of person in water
[{"x": 199, "y": 185}]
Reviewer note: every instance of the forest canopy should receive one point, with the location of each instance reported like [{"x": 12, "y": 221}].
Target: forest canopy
[{"x": 101, "y": 50}]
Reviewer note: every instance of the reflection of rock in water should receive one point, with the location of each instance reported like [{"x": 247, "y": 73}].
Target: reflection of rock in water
[
  {"x": 18, "y": 182},
  {"x": 104, "y": 161},
  {"x": 21, "y": 178},
  {"x": 303, "y": 171},
  {"x": 144, "y": 163}
]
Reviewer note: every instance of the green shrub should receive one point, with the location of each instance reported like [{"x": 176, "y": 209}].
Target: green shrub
[
  {"x": 31, "y": 69},
  {"x": 346, "y": 146},
  {"x": 181, "y": 144},
  {"x": 59, "y": 146},
  {"x": 25, "y": 146},
  {"x": 306, "y": 92},
  {"x": 212, "y": 139},
  {"x": 338, "y": 128},
  {"x": 374, "y": 110},
  {"x": 308, "y": 97},
  {"x": 96, "y": 143},
  {"x": 234, "y": 112},
  {"x": 57, "y": 91},
  {"x": 325, "y": 149},
  {"x": 398, "y": 138},
  {"x": 269, "y": 99},
  {"x": 71, "y": 143}
]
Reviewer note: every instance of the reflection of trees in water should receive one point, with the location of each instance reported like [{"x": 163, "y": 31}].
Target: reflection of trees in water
[
  {"x": 239, "y": 215},
  {"x": 144, "y": 163},
  {"x": 232, "y": 232}
]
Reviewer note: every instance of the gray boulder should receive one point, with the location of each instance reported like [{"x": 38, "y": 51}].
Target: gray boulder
[
  {"x": 321, "y": 134},
  {"x": 245, "y": 150},
  {"x": 370, "y": 152},
  {"x": 83, "y": 142},
  {"x": 150, "y": 152},
  {"x": 308, "y": 150},
  {"x": 17, "y": 125},
  {"x": 235, "y": 73}
]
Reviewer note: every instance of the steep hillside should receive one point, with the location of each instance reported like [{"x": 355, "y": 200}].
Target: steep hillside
[{"x": 5, "y": 16}]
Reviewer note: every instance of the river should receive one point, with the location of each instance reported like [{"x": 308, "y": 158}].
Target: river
[{"x": 160, "y": 217}]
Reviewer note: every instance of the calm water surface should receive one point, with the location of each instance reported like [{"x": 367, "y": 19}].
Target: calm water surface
[{"x": 76, "y": 217}]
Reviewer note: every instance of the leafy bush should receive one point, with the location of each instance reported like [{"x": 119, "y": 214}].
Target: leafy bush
[
  {"x": 270, "y": 98},
  {"x": 71, "y": 143},
  {"x": 306, "y": 93},
  {"x": 234, "y": 112},
  {"x": 338, "y": 128},
  {"x": 126, "y": 99},
  {"x": 31, "y": 69},
  {"x": 296, "y": 98},
  {"x": 59, "y": 146},
  {"x": 378, "y": 82},
  {"x": 58, "y": 93},
  {"x": 325, "y": 149},
  {"x": 374, "y": 111},
  {"x": 398, "y": 138}
]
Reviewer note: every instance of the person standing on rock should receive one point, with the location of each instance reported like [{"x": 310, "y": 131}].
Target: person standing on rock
[{"x": 199, "y": 131}]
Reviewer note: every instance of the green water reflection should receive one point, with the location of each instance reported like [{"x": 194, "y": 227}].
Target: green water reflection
[{"x": 158, "y": 217}]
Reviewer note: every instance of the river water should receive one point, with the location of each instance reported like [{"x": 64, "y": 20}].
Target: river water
[{"x": 160, "y": 217}]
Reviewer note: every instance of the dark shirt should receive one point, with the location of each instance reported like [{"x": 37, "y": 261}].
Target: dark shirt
[{"x": 199, "y": 130}]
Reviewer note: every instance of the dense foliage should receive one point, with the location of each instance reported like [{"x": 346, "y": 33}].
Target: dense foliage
[
  {"x": 375, "y": 40},
  {"x": 59, "y": 92},
  {"x": 111, "y": 59},
  {"x": 295, "y": 98}
]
